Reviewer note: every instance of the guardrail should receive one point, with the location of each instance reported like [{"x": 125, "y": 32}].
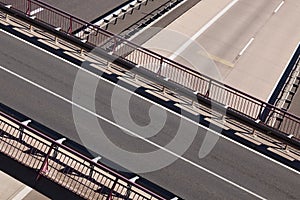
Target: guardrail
[
  {"x": 65, "y": 166},
  {"x": 204, "y": 86}
]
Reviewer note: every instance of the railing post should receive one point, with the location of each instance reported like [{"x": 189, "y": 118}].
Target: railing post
[
  {"x": 28, "y": 7},
  {"x": 133, "y": 180},
  {"x": 208, "y": 89},
  {"x": 44, "y": 168},
  {"x": 70, "y": 30},
  {"x": 6, "y": 14},
  {"x": 21, "y": 129},
  {"x": 95, "y": 160},
  {"x": 260, "y": 111},
  {"x": 160, "y": 65},
  {"x": 109, "y": 196},
  {"x": 55, "y": 147}
]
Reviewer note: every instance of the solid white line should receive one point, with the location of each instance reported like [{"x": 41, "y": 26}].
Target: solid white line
[
  {"x": 154, "y": 103},
  {"x": 247, "y": 45},
  {"x": 23, "y": 193},
  {"x": 132, "y": 133},
  {"x": 36, "y": 11},
  {"x": 202, "y": 30},
  {"x": 281, "y": 4}
]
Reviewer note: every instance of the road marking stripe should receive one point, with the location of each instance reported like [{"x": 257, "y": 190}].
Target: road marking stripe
[
  {"x": 220, "y": 60},
  {"x": 247, "y": 45},
  {"x": 280, "y": 5},
  {"x": 23, "y": 193},
  {"x": 202, "y": 30},
  {"x": 154, "y": 103},
  {"x": 132, "y": 133},
  {"x": 36, "y": 11}
]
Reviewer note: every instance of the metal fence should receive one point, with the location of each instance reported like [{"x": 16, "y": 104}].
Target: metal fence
[
  {"x": 70, "y": 169},
  {"x": 204, "y": 86}
]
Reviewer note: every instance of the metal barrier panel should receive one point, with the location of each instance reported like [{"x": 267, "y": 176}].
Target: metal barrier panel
[
  {"x": 65, "y": 166},
  {"x": 206, "y": 87}
]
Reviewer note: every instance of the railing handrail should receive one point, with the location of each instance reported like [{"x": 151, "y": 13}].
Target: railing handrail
[
  {"x": 176, "y": 65},
  {"x": 99, "y": 165}
]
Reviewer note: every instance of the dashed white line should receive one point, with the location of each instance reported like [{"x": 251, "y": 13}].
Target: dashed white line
[
  {"x": 36, "y": 11},
  {"x": 202, "y": 30},
  {"x": 23, "y": 193},
  {"x": 247, "y": 45},
  {"x": 280, "y": 5}
]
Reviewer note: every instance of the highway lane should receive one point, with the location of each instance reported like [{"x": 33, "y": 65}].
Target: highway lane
[
  {"x": 184, "y": 177},
  {"x": 231, "y": 34},
  {"x": 269, "y": 51}
]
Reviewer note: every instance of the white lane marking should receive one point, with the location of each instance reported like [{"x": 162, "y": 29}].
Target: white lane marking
[
  {"x": 202, "y": 30},
  {"x": 23, "y": 193},
  {"x": 280, "y": 5},
  {"x": 247, "y": 45},
  {"x": 36, "y": 11},
  {"x": 154, "y": 103},
  {"x": 132, "y": 133}
]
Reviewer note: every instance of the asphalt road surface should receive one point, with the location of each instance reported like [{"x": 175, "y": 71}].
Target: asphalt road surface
[
  {"x": 251, "y": 42},
  {"x": 40, "y": 86},
  {"x": 88, "y": 9}
]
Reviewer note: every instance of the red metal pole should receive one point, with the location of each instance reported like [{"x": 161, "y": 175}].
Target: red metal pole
[
  {"x": 28, "y": 7},
  {"x": 70, "y": 27}
]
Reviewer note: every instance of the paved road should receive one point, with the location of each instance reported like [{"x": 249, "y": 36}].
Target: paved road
[
  {"x": 228, "y": 172},
  {"x": 275, "y": 37},
  {"x": 87, "y": 10},
  {"x": 92, "y": 10}
]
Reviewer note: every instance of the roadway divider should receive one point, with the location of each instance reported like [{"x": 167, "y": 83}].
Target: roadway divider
[
  {"x": 51, "y": 159},
  {"x": 176, "y": 77}
]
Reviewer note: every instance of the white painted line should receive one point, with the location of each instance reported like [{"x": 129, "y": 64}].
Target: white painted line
[
  {"x": 280, "y": 5},
  {"x": 23, "y": 193},
  {"x": 154, "y": 103},
  {"x": 202, "y": 30},
  {"x": 247, "y": 45},
  {"x": 36, "y": 11},
  {"x": 133, "y": 133}
]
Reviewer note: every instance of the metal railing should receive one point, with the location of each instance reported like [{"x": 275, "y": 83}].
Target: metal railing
[
  {"x": 204, "y": 86},
  {"x": 65, "y": 166}
]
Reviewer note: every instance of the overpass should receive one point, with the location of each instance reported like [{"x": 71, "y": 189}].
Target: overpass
[{"x": 211, "y": 87}]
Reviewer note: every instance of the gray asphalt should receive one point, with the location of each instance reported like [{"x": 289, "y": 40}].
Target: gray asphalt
[
  {"x": 227, "y": 159},
  {"x": 88, "y": 9}
]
